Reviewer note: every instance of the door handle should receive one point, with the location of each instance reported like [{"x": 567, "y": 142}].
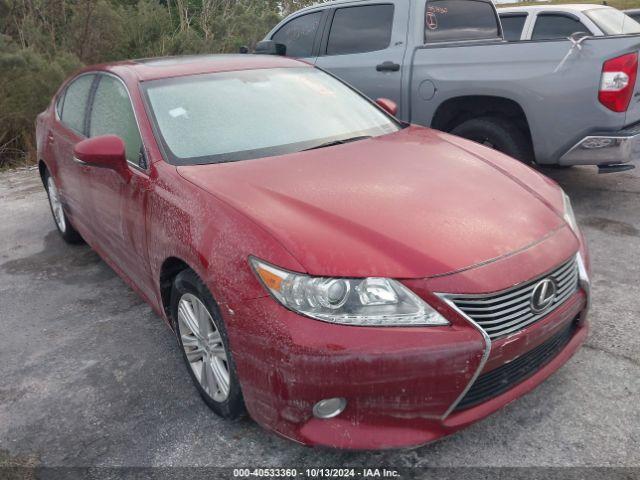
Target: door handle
[{"x": 388, "y": 67}]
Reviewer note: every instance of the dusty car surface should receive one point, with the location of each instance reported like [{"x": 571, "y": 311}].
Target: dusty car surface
[{"x": 350, "y": 280}]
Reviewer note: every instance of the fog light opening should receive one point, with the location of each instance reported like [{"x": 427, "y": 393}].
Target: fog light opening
[{"x": 329, "y": 408}]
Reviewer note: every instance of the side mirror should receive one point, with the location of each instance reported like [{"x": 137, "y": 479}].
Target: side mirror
[
  {"x": 106, "y": 151},
  {"x": 269, "y": 47},
  {"x": 388, "y": 106}
]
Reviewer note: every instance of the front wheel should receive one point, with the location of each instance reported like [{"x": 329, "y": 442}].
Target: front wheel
[
  {"x": 497, "y": 133},
  {"x": 68, "y": 233},
  {"x": 203, "y": 340}
]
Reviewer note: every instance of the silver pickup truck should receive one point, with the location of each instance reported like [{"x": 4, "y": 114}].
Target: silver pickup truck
[{"x": 446, "y": 64}]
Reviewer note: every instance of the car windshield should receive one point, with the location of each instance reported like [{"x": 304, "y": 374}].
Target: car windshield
[
  {"x": 231, "y": 116},
  {"x": 612, "y": 21}
]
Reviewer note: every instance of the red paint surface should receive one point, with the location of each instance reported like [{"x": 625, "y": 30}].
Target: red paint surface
[{"x": 441, "y": 214}]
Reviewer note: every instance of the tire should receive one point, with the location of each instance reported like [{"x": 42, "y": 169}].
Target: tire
[
  {"x": 190, "y": 292},
  {"x": 497, "y": 133},
  {"x": 64, "y": 226}
]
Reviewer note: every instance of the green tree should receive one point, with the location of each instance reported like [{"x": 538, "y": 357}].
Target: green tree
[{"x": 42, "y": 41}]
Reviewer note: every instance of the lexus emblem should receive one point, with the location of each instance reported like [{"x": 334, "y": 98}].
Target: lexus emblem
[{"x": 543, "y": 295}]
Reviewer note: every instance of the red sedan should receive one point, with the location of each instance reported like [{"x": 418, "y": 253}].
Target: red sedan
[{"x": 348, "y": 280}]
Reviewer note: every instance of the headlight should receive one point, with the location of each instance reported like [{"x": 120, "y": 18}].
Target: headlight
[
  {"x": 569, "y": 216},
  {"x": 347, "y": 301}
]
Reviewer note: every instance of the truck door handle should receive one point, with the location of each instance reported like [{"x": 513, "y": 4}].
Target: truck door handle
[{"x": 388, "y": 67}]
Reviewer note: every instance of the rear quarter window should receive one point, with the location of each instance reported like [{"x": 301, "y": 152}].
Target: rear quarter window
[{"x": 459, "y": 20}]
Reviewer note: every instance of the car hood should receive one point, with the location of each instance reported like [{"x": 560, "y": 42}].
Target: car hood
[{"x": 412, "y": 204}]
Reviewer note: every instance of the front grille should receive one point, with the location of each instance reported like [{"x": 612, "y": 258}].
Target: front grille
[
  {"x": 506, "y": 312},
  {"x": 501, "y": 379}
]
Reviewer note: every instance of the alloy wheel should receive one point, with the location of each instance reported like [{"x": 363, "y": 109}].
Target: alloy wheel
[
  {"x": 203, "y": 346},
  {"x": 56, "y": 205}
]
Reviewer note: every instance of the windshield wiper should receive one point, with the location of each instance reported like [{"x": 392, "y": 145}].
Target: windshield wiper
[{"x": 338, "y": 142}]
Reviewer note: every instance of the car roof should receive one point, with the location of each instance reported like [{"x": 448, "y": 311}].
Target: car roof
[
  {"x": 574, "y": 7},
  {"x": 334, "y": 3},
  {"x": 168, "y": 67}
]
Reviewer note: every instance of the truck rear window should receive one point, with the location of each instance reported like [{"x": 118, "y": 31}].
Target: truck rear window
[{"x": 457, "y": 20}]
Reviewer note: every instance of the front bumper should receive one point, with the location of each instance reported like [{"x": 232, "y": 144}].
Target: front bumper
[
  {"x": 605, "y": 149},
  {"x": 401, "y": 384}
]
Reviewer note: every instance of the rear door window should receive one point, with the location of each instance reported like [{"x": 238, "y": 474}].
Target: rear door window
[
  {"x": 512, "y": 26},
  {"x": 360, "y": 29},
  {"x": 550, "y": 26},
  {"x": 459, "y": 20},
  {"x": 299, "y": 35},
  {"x": 75, "y": 101}
]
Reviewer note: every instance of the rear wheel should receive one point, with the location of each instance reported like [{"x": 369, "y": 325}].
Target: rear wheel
[
  {"x": 497, "y": 133},
  {"x": 205, "y": 346},
  {"x": 68, "y": 233}
]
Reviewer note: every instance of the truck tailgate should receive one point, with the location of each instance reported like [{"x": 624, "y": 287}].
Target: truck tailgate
[{"x": 554, "y": 82}]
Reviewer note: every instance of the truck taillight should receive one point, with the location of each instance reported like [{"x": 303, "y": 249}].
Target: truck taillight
[{"x": 618, "y": 82}]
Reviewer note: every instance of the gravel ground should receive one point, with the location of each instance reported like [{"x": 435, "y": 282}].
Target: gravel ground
[{"x": 90, "y": 376}]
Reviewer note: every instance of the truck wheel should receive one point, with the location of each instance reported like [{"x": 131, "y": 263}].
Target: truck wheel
[{"x": 497, "y": 133}]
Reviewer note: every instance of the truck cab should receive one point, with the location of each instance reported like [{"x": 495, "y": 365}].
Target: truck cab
[
  {"x": 365, "y": 42},
  {"x": 562, "y": 100}
]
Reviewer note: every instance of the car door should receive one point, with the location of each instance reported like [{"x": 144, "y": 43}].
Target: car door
[
  {"x": 69, "y": 128},
  {"x": 119, "y": 204},
  {"x": 550, "y": 26},
  {"x": 301, "y": 35},
  {"x": 364, "y": 45}
]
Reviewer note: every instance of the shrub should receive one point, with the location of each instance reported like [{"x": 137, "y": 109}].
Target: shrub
[
  {"x": 27, "y": 82},
  {"x": 42, "y": 41}
]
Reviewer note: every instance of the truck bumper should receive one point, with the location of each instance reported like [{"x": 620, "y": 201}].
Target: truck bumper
[{"x": 610, "y": 148}]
